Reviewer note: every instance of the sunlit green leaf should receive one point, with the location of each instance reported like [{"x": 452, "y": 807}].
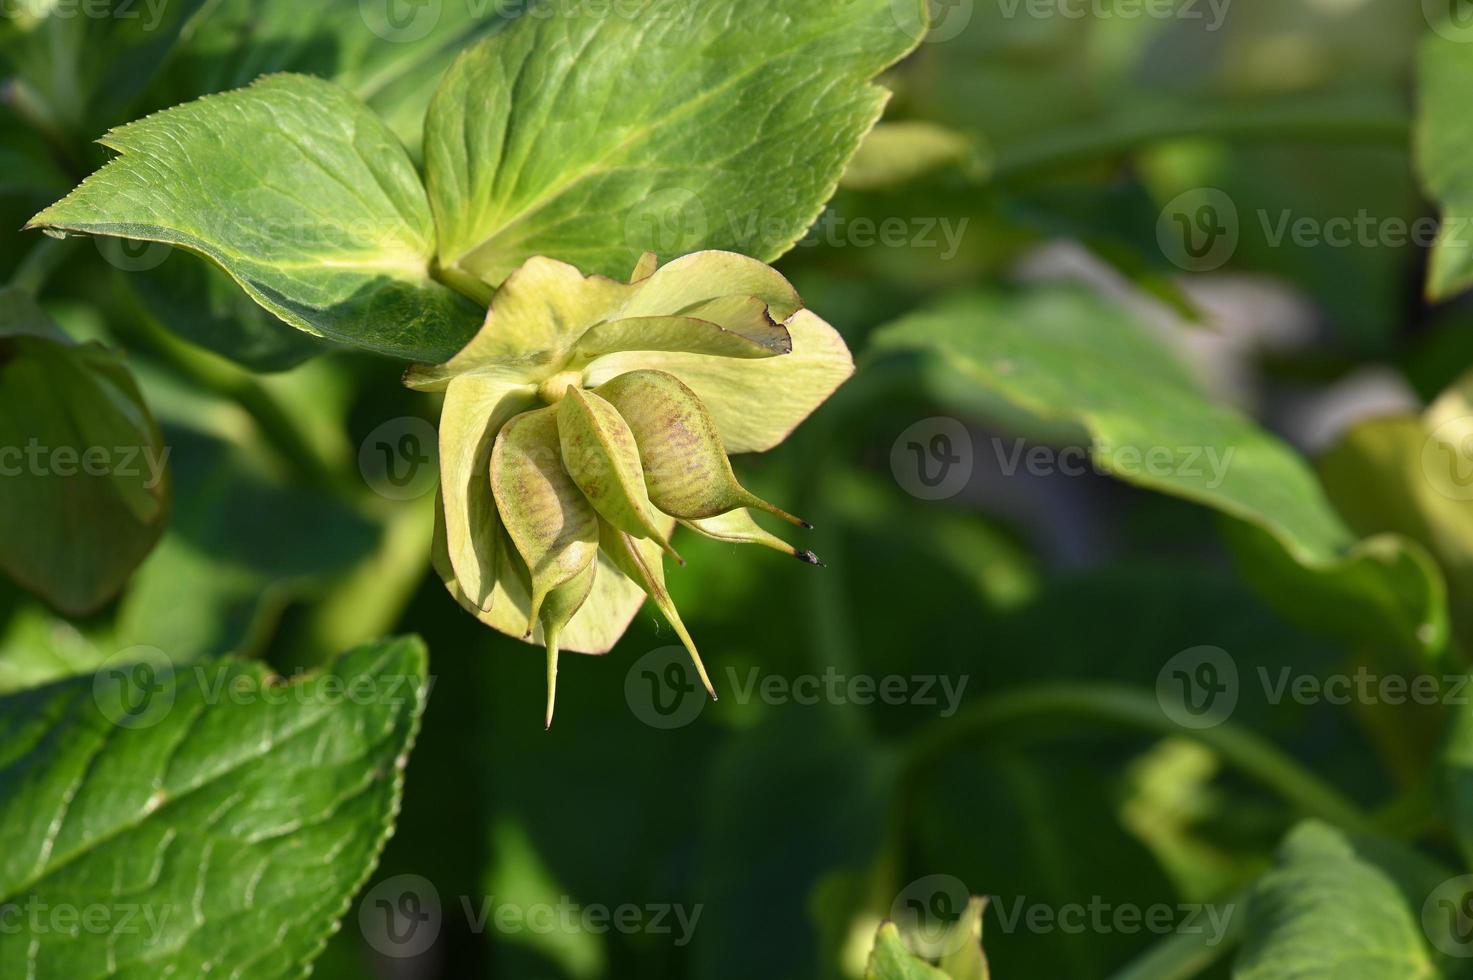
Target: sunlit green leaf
[
  {"x": 302, "y": 195},
  {"x": 209, "y": 808},
  {"x": 572, "y": 135},
  {"x": 1063, "y": 356}
]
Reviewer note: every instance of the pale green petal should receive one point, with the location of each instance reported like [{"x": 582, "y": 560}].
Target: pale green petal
[
  {"x": 700, "y": 277},
  {"x": 541, "y": 309},
  {"x": 476, "y": 407},
  {"x": 546, "y": 307},
  {"x": 603, "y": 618},
  {"x": 754, "y": 403},
  {"x": 645, "y": 267},
  {"x": 759, "y": 336},
  {"x": 553, "y": 526}
]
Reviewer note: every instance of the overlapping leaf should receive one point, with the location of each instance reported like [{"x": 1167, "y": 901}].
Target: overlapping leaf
[
  {"x": 1067, "y": 357},
  {"x": 299, "y": 192},
  {"x": 661, "y": 125}
]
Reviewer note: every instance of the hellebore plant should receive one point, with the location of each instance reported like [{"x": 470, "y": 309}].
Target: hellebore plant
[
  {"x": 589, "y": 416},
  {"x": 584, "y": 415}
]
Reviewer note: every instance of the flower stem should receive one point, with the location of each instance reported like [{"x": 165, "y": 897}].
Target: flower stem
[
  {"x": 1251, "y": 754},
  {"x": 1292, "y": 123}
]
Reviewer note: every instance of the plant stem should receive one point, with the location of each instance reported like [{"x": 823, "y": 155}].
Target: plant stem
[
  {"x": 1186, "y": 954},
  {"x": 277, "y": 423},
  {"x": 39, "y": 264},
  {"x": 1251, "y": 754},
  {"x": 1269, "y": 124}
]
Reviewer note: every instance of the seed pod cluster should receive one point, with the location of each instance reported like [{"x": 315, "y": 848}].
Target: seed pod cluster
[{"x": 589, "y": 416}]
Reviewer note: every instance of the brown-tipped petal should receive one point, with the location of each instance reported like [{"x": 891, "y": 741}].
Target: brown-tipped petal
[
  {"x": 641, "y": 561},
  {"x": 748, "y": 332},
  {"x": 551, "y": 523},
  {"x": 600, "y": 455},
  {"x": 738, "y": 527},
  {"x": 561, "y": 605},
  {"x": 685, "y": 466}
]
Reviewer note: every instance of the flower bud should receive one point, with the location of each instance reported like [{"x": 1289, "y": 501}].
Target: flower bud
[{"x": 588, "y": 415}]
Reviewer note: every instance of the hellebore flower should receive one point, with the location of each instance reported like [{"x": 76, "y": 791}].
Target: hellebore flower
[{"x": 588, "y": 416}]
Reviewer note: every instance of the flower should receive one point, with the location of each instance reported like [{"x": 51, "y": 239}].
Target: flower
[{"x": 588, "y": 416}]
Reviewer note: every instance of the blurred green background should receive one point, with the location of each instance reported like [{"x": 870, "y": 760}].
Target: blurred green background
[{"x": 793, "y": 827}]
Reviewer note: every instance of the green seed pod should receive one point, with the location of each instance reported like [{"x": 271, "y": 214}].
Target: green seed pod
[
  {"x": 588, "y": 414},
  {"x": 738, "y": 527},
  {"x": 554, "y": 527},
  {"x": 561, "y": 606},
  {"x": 685, "y": 465},
  {"x": 600, "y": 455}
]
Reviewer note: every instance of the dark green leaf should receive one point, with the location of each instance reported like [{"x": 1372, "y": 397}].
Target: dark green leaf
[
  {"x": 219, "y": 827},
  {"x": 84, "y": 491}
]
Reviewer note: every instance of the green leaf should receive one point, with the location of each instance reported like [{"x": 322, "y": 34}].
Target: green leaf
[
  {"x": 1444, "y": 137},
  {"x": 38, "y": 647},
  {"x": 1383, "y": 476},
  {"x": 230, "y": 818},
  {"x": 1327, "y": 911},
  {"x": 299, "y": 192},
  {"x": 1455, "y": 777},
  {"x": 85, "y": 490},
  {"x": 666, "y": 126},
  {"x": 891, "y": 960},
  {"x": 1065, "y": 356}
]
